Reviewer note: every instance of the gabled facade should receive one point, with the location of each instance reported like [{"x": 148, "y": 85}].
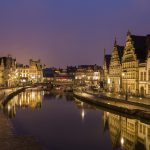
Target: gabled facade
[
  {"x": 8, "y": 71},
  {"x": 115, "y": 68},
  {"x": 144, "y": 77},
  {"x": 32, "y": 73},
  {"x": 88, "y": 75},
  {"x": 135, "y": 52}
]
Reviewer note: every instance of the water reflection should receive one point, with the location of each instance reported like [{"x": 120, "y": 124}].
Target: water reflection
[
  {"x": 28, "y": 99},
  {"x": 126, "y": 133},
  {"x": 123, "y": 133}
]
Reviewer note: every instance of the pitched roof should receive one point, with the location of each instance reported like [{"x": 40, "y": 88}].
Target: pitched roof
[
  {"x": 8, "y": 61},
  {"x": 107, "y": 59},
  {"x": 141, "y": 45},
  {"x": 48, "y": 72},
  {"x": 120, "y": 51}
]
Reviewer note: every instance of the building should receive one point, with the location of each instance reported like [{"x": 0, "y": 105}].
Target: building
[
  {"x": 144, "y": 78},
  {"x": 135, "y": 53},
  {"x": 115, "y": 76},
  {"x": 106, "y": 65},
  {"x": 63, "y": 79},
  {"x": 31, "y": 73},
  {"x": 80, "y": 75},
  {"x": 71, "y": 70},
  {"x": 8, "y": 74},
  {"x": 48, "y": 75},
  {"x": 88, "y": 75}
]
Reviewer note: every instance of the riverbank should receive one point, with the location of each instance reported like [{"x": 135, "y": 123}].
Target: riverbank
[
  {"x": 138, "y": 112},
  {"x": 8, "y": 139}
]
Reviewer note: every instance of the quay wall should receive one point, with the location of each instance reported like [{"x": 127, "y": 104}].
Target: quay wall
[{"x": 134, "y": 113}]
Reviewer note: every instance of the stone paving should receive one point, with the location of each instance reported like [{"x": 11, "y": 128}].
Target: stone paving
[{"x": 10, "y": 141}]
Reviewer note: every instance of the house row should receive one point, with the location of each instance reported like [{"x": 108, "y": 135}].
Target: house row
[
  {"x": 127, "y": 69},
  {"x": 13, "y": 74},
  {"x": 83, "y": 75},
  {"x": 89, "y": 76}
]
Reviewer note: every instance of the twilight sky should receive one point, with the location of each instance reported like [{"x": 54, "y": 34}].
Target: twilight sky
[{"x": 68, "y": 32}]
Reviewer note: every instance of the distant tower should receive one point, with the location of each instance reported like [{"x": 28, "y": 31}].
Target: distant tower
[
  {"x": 104, "y": 52},
  {"x": 115, "y": 42},
  {"x": 128, "y": 37},
  {"x": 128, "y": 33}
]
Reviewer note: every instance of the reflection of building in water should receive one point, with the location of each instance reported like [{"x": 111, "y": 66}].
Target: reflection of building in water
[
  {"x": 129, "y": 134},
  {"x": 25, "y": 99},
  {"x": 30, "y": 99},
  {"x": 83, "y": 106}
]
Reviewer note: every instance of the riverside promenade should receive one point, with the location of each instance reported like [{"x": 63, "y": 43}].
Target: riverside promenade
[
  {"x": 133, "y": 109},
  {"x": 8, "y": 139}
]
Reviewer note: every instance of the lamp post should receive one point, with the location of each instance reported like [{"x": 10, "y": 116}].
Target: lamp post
[{"x": 126, "y": 95}]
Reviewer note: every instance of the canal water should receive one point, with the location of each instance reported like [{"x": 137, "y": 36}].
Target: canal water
[{"x": 61, "y": 122}]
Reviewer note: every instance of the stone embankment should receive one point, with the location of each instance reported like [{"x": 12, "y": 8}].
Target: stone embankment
[
  {"x": 141, "y": 112},
  {"x": 6, "y": 99},
  {"x": 8, "y": 139}
]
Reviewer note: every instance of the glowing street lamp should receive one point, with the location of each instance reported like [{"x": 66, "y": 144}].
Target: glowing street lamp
[{"x": 122, "y": 141}]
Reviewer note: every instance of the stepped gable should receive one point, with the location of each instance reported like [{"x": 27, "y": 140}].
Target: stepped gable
[{"x": 141, "y": 45}]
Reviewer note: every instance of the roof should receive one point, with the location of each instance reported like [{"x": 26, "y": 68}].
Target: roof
[
  {"x": 92, "y": 67},
  {"x": 141, "y": 45},
  {"x": 107, "y": 59},
  {"x": 8, "y": 61},
  {"x": 48, "y": 72},
  {"x": 120, "y": 51}
]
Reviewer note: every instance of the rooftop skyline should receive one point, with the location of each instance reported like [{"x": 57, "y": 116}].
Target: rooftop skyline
[{"x": 68, "y": 32}]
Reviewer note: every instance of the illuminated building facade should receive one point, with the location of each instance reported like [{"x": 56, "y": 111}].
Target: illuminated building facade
[
  {"x": 135, "y": 52},
  {"x": 115, "y": 75},
  {"x": 88, "y": 75},
  {"x": 8, "y": 74},
  {"x": 127, "y": 69},
  {"x": 144, "y": 77},
  {"x": 31, "y": 73},
  {"x": 106, "y": 65}
]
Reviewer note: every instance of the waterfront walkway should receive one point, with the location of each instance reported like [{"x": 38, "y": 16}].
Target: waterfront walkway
[
  {"x": 142, "y": 100},
  {"x": 131, "y": 108}
]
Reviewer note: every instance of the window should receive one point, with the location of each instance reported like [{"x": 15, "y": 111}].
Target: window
[
  {"x": 148, "y": 89},
  {"x": 144, "y": 128},
  {"x": 144, "y": 76},
  {"x": 141, "y": 76},
  {"x": 148, "y": 133},
  {"x": 140, "y": 128}
]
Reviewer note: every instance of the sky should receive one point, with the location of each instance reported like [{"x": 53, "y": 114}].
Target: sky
[{"x": 68, "y": 32}]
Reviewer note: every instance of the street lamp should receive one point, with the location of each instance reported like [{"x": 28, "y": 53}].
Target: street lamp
[{"x": 123, "y": 74}]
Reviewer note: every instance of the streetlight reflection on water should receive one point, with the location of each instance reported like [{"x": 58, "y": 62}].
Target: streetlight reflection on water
[
  {"x": 124, "y": 132},
  {"x": 82, "y": 114}
]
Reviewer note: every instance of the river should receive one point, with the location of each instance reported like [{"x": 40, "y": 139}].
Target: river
[{"x": 61, "y": 122}]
